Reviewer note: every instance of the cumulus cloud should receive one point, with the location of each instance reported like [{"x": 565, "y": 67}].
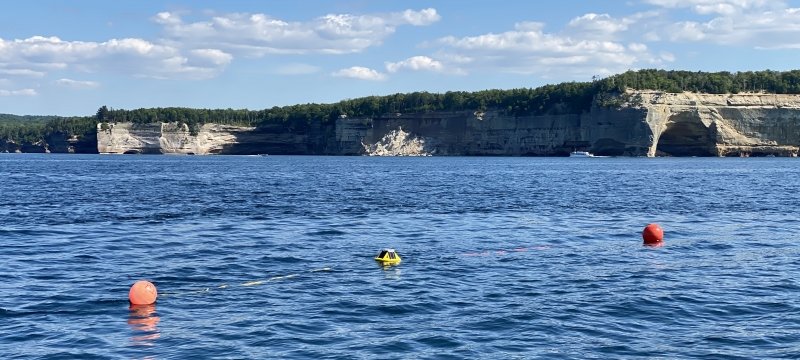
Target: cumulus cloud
[
  {"x": 260, "y": 34},
  {"x": 415, "y": 63},
  {"x": 606, "y": 27},
  {"x": 724, "y": 7},
  {"x": 361, "y": 73},
  {"x": 130, "y": 56},
  {"x": 21, "y": 92},
  {"x": 212, "y": 56},
  {"x": 528, "y": 49},
  {"x": 759, "y": 24},
  {"x": 418, "y": 18},
  {"x": 77, "y": 84},
  {"x": 203, "y": 49},
  {"x": 601, "y": 25}
]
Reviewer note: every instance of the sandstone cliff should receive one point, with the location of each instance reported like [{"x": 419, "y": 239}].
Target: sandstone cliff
[
  {"x": 165, "y": 138},
  {"x": 647, "y": 123},
  {"x": 722, "y": 125},
  {"x": 172, "y": 138},
  {"x": 642, "y": 123}
]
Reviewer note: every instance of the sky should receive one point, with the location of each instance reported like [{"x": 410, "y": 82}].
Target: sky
[{"x": 71, "y": 57}]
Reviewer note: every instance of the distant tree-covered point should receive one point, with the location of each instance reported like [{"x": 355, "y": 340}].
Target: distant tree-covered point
[
  {"x": 567, "y": 97},
  {"x": 33, "y": 129}
]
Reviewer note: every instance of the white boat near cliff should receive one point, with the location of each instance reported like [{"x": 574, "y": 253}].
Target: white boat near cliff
[
  {"x": 581, "y": 154},
  {"x": 585, "y": 154}
]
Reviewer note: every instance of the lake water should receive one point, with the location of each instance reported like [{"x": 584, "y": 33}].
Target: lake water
[{"x": 272, "y": 257}]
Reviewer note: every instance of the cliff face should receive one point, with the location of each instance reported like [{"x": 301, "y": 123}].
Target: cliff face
[
  {"x": 648, "y": 124},
  {"x": 617, "y": 132},
  {"x": 172, "y": 138},
  {"x": 722, "y": 125},
  {"x": 165, "y": 138}
]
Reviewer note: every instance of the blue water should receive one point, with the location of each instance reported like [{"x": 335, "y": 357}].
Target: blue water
[{"x": 271, "y": 257}]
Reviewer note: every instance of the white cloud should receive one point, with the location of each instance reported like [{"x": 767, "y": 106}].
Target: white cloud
[
  {"x": 419, "y": 18},
  {"x": 599, "y": 24},
  {"x": 167, "y": 18},
  {"x": 203, "y": 49},
  {"x": 361, "y": 73},
  {"x": 260, "y": 34},
  {"x": 605, "y": 27},
  {"x": 212, "y": 56},
  {"x": 527, "y": 40},
  {"x": 22, "y": 72},
  {"x": 128, "y": 56},
  {"x": 763, "y": 25},
  {"x": 637, "y": 47},
  {"x": 21, "y": 92},
  {"x": 528, "y": 49},
  {"x": 415, "y": 63},
  {"x": 77, "y": 84},
  {"x": 723, "y": 7}
]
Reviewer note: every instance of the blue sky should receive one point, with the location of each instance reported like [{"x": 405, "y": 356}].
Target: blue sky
[{"x": 69, "y": 58}]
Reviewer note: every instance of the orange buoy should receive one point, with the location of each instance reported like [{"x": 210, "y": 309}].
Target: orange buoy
[
  {"x": 653, "y": 234},
  {"x": 143, "y": 293}
]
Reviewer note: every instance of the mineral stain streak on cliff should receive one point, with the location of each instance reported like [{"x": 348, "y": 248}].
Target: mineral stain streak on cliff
[{"x": 641, "y": 123}]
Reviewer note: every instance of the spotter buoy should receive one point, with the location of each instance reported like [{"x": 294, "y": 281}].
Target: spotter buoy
[
  {"x": 388, "y": 257},
  {"x": 142, "y": 293},
  {"x": 653, "y": 235}
]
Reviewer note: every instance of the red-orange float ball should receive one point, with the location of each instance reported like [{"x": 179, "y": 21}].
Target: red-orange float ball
[
  {"x": 653, "y": 234},
  {"x": 143, "y": 293}
]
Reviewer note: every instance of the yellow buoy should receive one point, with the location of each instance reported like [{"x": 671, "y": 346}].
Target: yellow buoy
[{"x": 388, "y": 257}]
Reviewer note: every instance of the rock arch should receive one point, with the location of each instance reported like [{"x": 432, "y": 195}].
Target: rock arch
[{"x": 686, "y": 135}]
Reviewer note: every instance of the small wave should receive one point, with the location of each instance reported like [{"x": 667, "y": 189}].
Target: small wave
[{"x": 329, "y": 232}]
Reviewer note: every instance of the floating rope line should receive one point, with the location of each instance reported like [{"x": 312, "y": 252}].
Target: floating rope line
[{"x": 245, "y": 284}]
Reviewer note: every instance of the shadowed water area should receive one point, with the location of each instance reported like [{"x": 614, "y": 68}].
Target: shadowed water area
[{"x": 272, "y": 257}]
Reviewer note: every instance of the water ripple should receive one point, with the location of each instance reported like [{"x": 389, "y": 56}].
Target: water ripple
[{"x": 502, "y": 257}]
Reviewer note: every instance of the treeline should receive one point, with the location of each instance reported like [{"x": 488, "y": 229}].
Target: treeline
[
  {"x": 776, "y": 82},
  {"x": 568, "y": 97},
  {"x": 28, "y": 119},
  {"x": 561, "y": 98},
  {"x": 564, "y": 97},
  {"x": 36, "y": 129}
]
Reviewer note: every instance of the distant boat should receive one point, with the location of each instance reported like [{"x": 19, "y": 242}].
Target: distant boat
[
  {"x": 581, "y": 154},
  {"x": 263, "y": 154}
]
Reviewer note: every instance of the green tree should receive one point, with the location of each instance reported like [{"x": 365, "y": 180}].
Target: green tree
[{"x": 102, "y": 113}]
